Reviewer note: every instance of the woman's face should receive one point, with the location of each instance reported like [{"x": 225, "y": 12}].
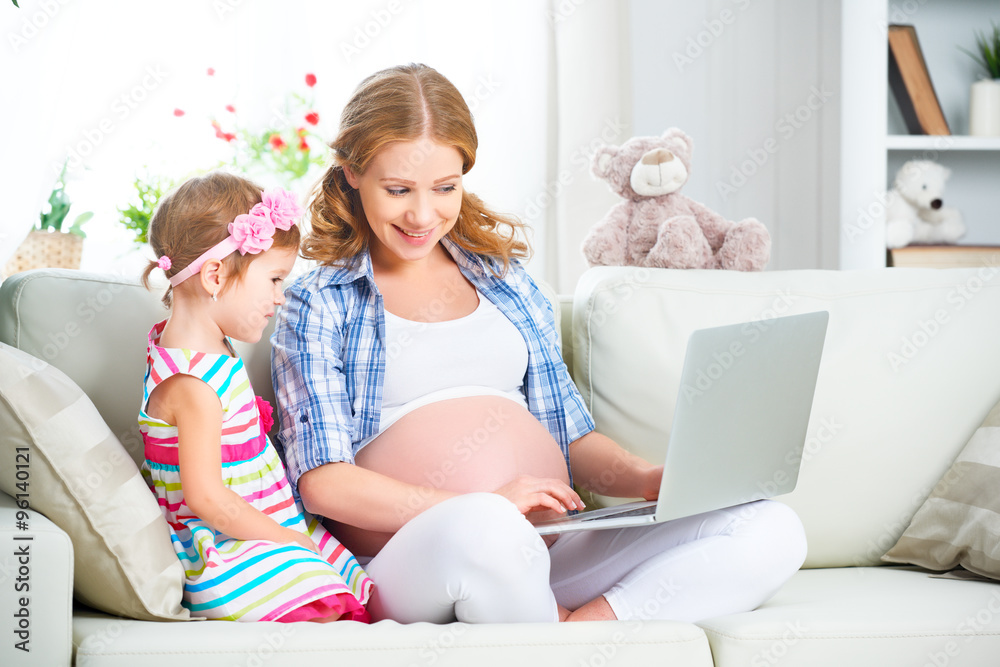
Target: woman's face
[{"x": 412, "y": 194}]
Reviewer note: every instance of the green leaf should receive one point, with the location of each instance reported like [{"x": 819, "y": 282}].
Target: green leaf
[
  {"x": 15, "y": 4},
  {"x": 987, "y": 53},
  {"x": 137, "y": 215},
  {"x": 78, "y": 224}
]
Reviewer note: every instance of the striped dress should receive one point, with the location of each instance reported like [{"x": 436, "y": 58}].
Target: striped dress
[{"x": 243, "y": 580}]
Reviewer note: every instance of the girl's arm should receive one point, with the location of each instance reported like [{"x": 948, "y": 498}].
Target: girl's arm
[
  {"x": 194, "y": 407},
  {"x": 599, "y": 464}
]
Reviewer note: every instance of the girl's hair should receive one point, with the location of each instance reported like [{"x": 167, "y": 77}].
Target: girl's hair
[
  {"x": 401, "y": 103},
  {"x": 196, "y": 216}
]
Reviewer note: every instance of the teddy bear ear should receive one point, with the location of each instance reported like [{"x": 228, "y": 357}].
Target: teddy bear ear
[
  {"x": 677, "y": 137},
  {"x": 603, "y": 160}
]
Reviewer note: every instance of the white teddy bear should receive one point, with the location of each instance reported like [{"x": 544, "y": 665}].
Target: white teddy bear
[{"x": 914, "y": 211}]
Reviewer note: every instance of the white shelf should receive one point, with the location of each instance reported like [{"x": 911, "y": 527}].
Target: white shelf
[
  {"x": 874, "y": 143},
  {"x": 917, "y": 142}
]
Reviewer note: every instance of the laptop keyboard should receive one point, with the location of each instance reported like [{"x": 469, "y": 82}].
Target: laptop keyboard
[{"x": 640, "y": 511}]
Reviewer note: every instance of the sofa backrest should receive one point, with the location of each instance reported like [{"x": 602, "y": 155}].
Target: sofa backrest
[
  {"x": 910, "y": 368},
  {"x": 93, "y": 327}
]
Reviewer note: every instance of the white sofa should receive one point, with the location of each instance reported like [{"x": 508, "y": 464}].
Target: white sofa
[{"x": 911, "y": 368}]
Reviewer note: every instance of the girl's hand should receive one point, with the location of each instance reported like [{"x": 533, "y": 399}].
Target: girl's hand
[
  {"x": 532, "y": 494},
  {"x": 300, "y": 539}
]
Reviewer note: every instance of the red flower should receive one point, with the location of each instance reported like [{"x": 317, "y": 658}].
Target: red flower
[
  {"x": 310, "y": 80},
  {"x": 277, "y": 143},
  {"x": 227, "y": 136},
  {"x": 211, "y": 71},
  {"x": 303, "y": 146},
  {"x": 265, "y": 410},
  {"x": 230, "y": 108},
  {"x": 312, "y": 118},
  {"x": 178, "y": 112}
]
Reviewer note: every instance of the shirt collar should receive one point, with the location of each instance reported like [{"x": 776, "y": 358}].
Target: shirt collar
[{"x": 361, "y": 265}]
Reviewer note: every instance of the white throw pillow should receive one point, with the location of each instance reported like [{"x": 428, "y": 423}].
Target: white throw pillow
[{"x": 75, "y": 472}]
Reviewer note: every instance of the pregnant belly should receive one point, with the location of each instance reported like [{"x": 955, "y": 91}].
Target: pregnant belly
[{"x": 477, "y": 443}]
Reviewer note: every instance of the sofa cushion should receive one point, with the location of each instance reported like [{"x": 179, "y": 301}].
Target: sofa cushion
[
  {"x": 909, "y": 370},
  {"x": 78, "y": 475},
  {"x": 959, "y": 524},
  {"x": 885, "y": 616},
  {"x": 111, "y": 642}
]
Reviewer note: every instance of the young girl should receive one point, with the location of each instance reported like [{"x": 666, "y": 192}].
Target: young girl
[{"x": 249, "y": 551}]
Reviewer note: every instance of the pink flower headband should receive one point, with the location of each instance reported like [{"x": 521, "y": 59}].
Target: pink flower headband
[{"x": 249, "y": 233}]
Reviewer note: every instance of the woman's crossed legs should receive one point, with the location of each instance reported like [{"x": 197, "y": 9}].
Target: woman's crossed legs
[{"x": 474, "y": 558}]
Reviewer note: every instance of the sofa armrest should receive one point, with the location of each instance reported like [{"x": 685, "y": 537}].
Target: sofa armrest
[{"x": 36, "y": 588}]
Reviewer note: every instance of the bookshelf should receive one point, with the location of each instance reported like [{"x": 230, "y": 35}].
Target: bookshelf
[{"x": 874, "y": 140}]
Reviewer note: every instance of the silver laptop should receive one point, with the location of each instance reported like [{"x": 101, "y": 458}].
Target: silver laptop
[{"x": 739, "y": 425}]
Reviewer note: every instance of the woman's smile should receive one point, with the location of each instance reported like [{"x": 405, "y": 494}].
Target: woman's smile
[{"x": 416, "y": 238}]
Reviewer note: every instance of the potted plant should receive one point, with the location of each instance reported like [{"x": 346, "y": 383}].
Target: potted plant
[
  {"x": 47, "y": 245},
  {"x": 984, "y": 98}
]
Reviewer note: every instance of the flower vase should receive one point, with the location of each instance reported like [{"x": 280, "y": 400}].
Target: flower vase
[{"x": 984, "y": 108}]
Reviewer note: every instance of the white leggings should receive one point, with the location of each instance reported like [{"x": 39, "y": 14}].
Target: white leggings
[{"x": 475, "y": 558}]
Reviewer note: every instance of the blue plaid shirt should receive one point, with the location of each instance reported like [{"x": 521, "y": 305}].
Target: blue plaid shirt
[{"x": 328, "y": 359}]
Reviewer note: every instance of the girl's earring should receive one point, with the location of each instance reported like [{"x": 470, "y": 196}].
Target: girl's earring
[{"x": 214, "y": 295}]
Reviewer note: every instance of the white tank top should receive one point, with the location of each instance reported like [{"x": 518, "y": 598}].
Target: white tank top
[{"x": 480, "y": 354}]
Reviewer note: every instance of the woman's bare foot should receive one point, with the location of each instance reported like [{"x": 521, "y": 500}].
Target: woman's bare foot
[{"x": 597, "y": 609}]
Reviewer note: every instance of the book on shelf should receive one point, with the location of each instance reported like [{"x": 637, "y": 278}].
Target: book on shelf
[
  {"x": 911, "y": 85},
  {"x": 944, "y": 256}
]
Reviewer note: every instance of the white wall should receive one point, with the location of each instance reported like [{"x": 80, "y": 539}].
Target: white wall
[{"x": 756, "y": 84}]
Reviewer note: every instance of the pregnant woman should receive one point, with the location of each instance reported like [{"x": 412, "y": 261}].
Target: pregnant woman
[{"x": 427, "y": 414}]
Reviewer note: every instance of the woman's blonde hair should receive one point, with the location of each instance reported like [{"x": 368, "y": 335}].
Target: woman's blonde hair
[
  {"x": 196, "y": 216},
  {"x": 401, "y": 103}
]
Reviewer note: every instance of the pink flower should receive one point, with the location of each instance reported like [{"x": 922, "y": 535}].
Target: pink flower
[
  {"x": 279, "y": 206},
  {"x": 230, "y": 108},
  {"x": 312, "y": 118},
  {"x": 265, "y": 410},
  {"x": 211, "y": 71},
  {"x": 310, "y": 80},
  {"x": 178, "y": 112},
  {"x": 252, "y": 233}
]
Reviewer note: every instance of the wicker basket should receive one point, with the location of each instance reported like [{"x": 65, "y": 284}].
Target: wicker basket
[{"x": 46, "y": 249}]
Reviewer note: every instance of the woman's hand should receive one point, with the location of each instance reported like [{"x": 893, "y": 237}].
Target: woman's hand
[
  {"x": 295, "y": 537},
  {"x": 532, "y": 494},
  {"x": 600, "y": 465},
  {"x": 651, "y": 482}
]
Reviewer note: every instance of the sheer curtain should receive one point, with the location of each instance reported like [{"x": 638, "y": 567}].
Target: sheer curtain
[{"x": 123, "y": 89}]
